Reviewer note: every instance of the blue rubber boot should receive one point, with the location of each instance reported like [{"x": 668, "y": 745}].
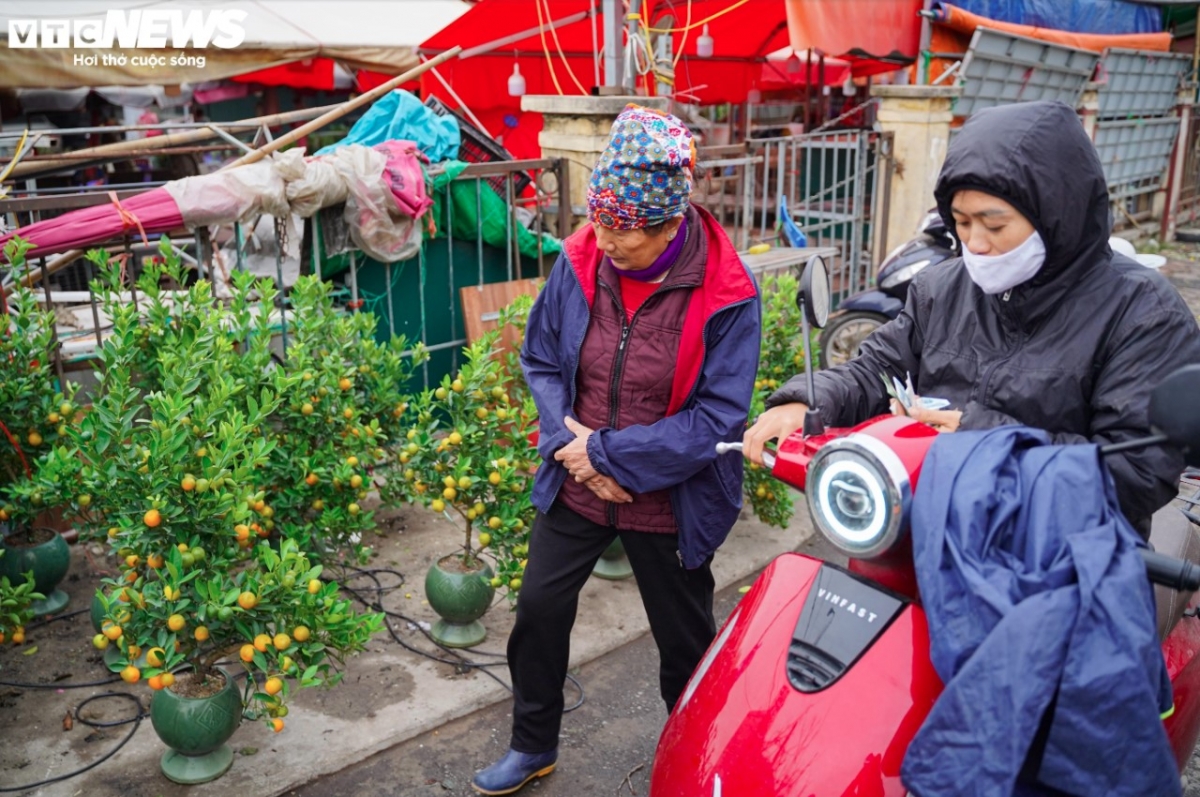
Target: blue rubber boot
[{"x": 513, "y": 771}]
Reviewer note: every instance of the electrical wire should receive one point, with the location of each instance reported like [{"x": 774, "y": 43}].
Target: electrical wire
[
  {"x": 460, "y": 661},
  {"x": 137, "y": 723},
  {"x": 40, "y": 624},
  {"x": 546, "y": 48},
  {"x": 561, "y": 54},
  {"x": 700, "y": 23},
  {"x": 683, "y": 39}
]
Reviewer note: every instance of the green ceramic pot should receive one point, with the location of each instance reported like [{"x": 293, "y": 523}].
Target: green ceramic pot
[
  {"x": 49, "y": 560},
  {"x": 613, "y": 564},
  {"x": 196, "y": 729},
  {"x": 97, "y": 613},
  {"x": 460, "y": 599}
]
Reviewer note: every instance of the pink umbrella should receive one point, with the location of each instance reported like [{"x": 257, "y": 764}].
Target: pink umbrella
[{"x": 141, "y": 215}]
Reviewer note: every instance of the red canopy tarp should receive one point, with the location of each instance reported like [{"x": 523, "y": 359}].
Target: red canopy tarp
[{"x": 744, "y": 33}]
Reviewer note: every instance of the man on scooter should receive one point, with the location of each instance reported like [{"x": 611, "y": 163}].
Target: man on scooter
[{"x": 1038, "y": 323}]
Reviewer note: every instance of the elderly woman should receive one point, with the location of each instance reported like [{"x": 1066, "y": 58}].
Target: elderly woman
[{"x": 640, "y": 352}]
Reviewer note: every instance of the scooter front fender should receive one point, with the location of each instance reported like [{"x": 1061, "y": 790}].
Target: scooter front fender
[{"x": 743, "y": 729}]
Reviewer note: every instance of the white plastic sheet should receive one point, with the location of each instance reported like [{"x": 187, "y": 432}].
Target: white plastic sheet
[{"x": 289, "y": 184}]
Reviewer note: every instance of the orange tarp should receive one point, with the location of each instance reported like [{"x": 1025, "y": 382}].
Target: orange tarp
[{"x": 863, "y": 28}]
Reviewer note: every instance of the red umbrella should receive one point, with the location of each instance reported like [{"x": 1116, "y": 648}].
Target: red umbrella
[{"x": 787, "y": 68}]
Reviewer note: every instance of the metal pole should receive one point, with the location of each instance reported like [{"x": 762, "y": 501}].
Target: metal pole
[
  {"x": 424, "y": 334},
  {"x": 595, "y": 44},
  {"x": 630, "y": 80},
  {"x": 824, "y": 100},
  {"x": 92, "y": 298},
  {"x": 239, "y": 244},
  {"x": 537, "y": 216},
  {"x": 613, "y": 29},
  {"x": 387, "y": 275},
  {"x": 55, "y": 352},
  {"x": 766, "y": 187},
  {"x": 808, "y": 77},
  {"x": 565, "y": 215},
  {"x": 925, "y": 42},
  {"x": 509, "y": 217},
  {"x": 780, "y": 177},
  {"x": 279, "y": 275},
  {"x": 132, "y": 277},
  {"x": 664, "y": 55},
  {"x": 747, "y": 200},
  {"x": 316, "y": 244},
  {"x": 354, "y": 279},
  {"x": 479, "y": 226}
]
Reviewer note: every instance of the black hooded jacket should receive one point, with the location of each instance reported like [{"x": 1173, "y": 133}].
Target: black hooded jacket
[{"x": 1075, "y": 350}]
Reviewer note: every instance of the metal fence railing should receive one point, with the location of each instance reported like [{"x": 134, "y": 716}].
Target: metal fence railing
[
  {"x": 482, "y": 236},
  {"x": 834, "y": 187}
]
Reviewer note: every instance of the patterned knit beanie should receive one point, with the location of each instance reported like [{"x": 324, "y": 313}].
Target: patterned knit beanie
[{"x": 644, "y": 177}]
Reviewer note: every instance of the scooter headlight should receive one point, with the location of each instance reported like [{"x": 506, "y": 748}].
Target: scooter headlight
[
  {"x": 859, "y": 495},
  {"x": 903, "y": 274}
]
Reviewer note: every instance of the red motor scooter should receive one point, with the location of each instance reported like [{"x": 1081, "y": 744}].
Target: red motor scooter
[{"x": 821, "y": 677}]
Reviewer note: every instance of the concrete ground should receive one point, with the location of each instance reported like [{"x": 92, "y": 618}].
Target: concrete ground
[
  {"x": 389, "y": 694},
  {"x": 607, "y": 743}
]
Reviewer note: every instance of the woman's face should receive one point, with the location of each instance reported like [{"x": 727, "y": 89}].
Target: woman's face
[
  {"x": 988, "y": 225},
  {"x": 635, "y": 250}
]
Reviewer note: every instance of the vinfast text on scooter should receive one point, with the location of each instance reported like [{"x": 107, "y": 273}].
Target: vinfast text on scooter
[{"x": 822, "y": 676}]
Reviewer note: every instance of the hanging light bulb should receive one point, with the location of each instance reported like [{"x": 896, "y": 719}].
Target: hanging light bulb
[
  {"x": 848, "y": 87},
  {"x": 516, "y": 82},
  {"x": 793, "y": 64},
  {"x": 754, "y": 96},
  {"x": 704, "y": 43}
]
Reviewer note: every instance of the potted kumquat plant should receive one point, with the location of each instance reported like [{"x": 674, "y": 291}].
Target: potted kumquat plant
[
  {"x": 469, "y": 454},
  {"x": 174, "y": 450},
  {"x": 34, "y": 416}
]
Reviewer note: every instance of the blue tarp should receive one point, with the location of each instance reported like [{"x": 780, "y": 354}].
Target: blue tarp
[
  {"x": 399, "y": 115},
  {"x": 1077, "y": 16}
]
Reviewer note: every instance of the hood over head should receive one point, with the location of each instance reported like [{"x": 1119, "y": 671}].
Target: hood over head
[{"x": 1037, "y": 157}]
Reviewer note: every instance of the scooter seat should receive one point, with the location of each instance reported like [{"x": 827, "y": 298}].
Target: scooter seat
[{"x": 1174, "y": 535}]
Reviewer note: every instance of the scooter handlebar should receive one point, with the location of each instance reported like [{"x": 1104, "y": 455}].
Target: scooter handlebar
[
  {"x": 768, "y": 458},
  {"x": 1170, "y": 572}
]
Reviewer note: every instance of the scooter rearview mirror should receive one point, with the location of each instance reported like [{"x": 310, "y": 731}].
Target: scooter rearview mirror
[
  {"x": 1173, "y": 411},
  {"x": 813, "y": 299}
]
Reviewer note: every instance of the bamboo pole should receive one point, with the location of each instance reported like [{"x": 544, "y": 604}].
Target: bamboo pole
[
  {"x": 340, "y": 111},
  {"x": 167, "y": 139},
  {"x": 334, "y": 113}
]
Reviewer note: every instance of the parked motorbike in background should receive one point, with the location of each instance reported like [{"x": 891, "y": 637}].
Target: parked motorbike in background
[
  {"x": 861, "y": 314},
  {"x": 821, "y": 677}
]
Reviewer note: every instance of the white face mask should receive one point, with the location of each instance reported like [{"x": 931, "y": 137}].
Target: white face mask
[{"x": 999, "y": 273}]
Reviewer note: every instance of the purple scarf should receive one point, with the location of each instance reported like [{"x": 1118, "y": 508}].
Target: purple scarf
[{"x": 663, "y": 262}]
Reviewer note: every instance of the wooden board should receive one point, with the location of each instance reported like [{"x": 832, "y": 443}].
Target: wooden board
[{"x": 481, "y": 305}]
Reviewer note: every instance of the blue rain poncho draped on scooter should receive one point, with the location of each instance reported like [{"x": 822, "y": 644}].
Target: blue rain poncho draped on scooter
[{"x": 1033, "y": 584}]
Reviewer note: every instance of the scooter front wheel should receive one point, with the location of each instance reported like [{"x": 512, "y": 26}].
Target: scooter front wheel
[{"x": 844, "y": 333}]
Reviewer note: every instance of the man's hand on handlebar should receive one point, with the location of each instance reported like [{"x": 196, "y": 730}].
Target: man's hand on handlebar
[{"x": 776, "y": 423}]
